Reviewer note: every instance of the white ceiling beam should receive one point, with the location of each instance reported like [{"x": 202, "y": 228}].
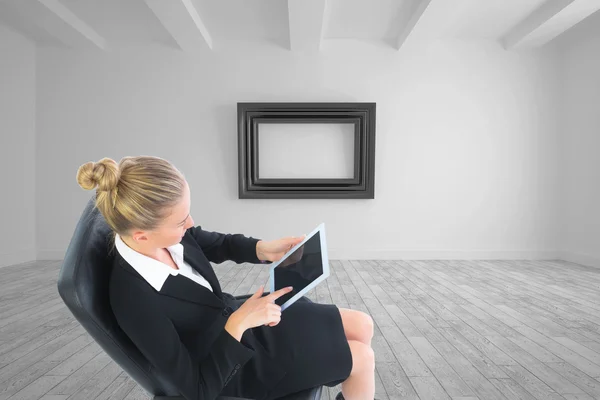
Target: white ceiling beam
[
  {"x": 62, "y": 23},
  {"x": 182, "y": 20},
  {"x": 419, "y": 9},
  {"x": 548, "y": 21},
  {"x": 306, "y": 24}
]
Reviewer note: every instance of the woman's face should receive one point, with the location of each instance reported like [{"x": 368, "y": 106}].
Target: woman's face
[
  {"x": 177, "y": 223},
  {"x": 172, "y": 229},
  {"x": 180, "y": 219}
]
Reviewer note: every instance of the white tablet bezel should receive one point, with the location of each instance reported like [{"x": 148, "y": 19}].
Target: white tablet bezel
[{"x": 321, "y": 278}]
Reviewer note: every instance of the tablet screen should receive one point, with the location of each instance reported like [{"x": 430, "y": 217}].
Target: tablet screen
[{"x": 300, "y": 268}]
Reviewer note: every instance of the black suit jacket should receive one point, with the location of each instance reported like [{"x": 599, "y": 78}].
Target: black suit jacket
[{"x": 180, "y": 329}]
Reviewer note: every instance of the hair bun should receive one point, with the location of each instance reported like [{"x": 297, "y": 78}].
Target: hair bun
[{"x": 104, "y": 174}]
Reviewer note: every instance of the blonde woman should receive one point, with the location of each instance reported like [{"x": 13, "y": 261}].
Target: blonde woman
[{"x": 167, "y": 299}]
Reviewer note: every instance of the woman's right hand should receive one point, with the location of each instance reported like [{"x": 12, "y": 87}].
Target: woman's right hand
[{"x": 258, "y": 310}]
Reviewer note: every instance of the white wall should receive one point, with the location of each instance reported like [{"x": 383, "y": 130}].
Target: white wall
[
  {"x": 17, "y": 148},
  {"x": 580, "y": 137},
  {"x": 466, "y": 162}
]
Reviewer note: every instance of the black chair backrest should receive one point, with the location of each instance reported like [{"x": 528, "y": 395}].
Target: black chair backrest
[{"x": 83, "y": 286}]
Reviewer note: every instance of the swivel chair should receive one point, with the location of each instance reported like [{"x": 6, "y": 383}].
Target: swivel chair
[{"x": 83, "y": 286}]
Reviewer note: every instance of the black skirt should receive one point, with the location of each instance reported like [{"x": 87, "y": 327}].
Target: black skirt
[{"x": 310, "y": 344}]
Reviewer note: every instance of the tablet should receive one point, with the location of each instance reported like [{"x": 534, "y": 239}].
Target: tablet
[{"x": 303, "y": 267}]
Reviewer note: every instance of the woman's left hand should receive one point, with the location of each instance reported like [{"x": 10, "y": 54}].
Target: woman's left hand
[{"x": 273, "y": 250}]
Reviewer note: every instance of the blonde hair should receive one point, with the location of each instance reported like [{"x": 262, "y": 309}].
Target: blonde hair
[{"x": 137, "y": 193}]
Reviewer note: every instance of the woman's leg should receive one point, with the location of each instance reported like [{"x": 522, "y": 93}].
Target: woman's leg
[
  {"x": 357, "y": 325},
  {"x": 360, "y": 385}
]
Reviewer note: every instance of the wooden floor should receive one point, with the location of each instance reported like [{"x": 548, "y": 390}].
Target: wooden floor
[{"x": 444, "y": 330}]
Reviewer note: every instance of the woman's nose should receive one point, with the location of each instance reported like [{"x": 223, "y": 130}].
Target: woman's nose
[{"x": 190, "y": 222}]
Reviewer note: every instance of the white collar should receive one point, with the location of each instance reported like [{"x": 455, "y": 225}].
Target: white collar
[{"x": 153, "y": 271}]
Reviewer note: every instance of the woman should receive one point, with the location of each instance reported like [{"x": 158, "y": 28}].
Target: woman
[{"x": 167, "y": 299}]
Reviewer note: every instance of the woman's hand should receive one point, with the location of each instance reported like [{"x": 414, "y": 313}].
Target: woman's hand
[
  {"x": 257, "y": 310},
  {"x": 274, "y": 250}
]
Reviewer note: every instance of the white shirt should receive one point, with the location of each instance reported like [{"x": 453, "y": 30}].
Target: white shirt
[{"x": 156, "y": 272}]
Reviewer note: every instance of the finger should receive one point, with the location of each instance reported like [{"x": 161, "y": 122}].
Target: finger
[
  {"x": 258, "y": 293},
  {"x": 281, "y": 292},
  {"x": 274, "y": 307},
  {"x": 274, "y": 320},
  {"x": 277, "y": 294}
]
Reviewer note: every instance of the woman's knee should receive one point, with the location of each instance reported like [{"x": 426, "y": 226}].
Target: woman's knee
[
  {"x": 363, "y": 357},
  {"x": 358, "y": 325},
  {"x": 368, "y": 326}
]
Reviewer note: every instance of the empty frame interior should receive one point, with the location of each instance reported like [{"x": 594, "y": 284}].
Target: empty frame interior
[{"x": 306, "y": 150}]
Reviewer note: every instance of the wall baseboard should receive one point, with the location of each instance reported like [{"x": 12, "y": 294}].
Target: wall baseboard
[
  {"x": 24, "y": 256},
  {"x": 360, "y": 254},
  {"x": 580, "y": 258},
  {"x": 50, "y": 255},
  {"x": 17, "y": 257}
]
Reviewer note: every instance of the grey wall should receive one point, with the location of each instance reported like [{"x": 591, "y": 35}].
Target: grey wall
[
  {"x": 580, "y": 138},
  {"x": 17, "y": 148},
  {"x": 467, "y": 141}
]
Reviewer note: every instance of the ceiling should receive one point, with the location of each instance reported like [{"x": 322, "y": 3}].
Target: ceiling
[{"x": 296, "y": 25}]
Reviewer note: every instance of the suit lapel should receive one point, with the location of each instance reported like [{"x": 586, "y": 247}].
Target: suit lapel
[
  {"x": 185, "y": 289},
  {"x": 198, "y": 261}
]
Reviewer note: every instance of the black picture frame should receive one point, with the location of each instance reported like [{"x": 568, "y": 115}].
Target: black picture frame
[{"x": 361, "y": 186}]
